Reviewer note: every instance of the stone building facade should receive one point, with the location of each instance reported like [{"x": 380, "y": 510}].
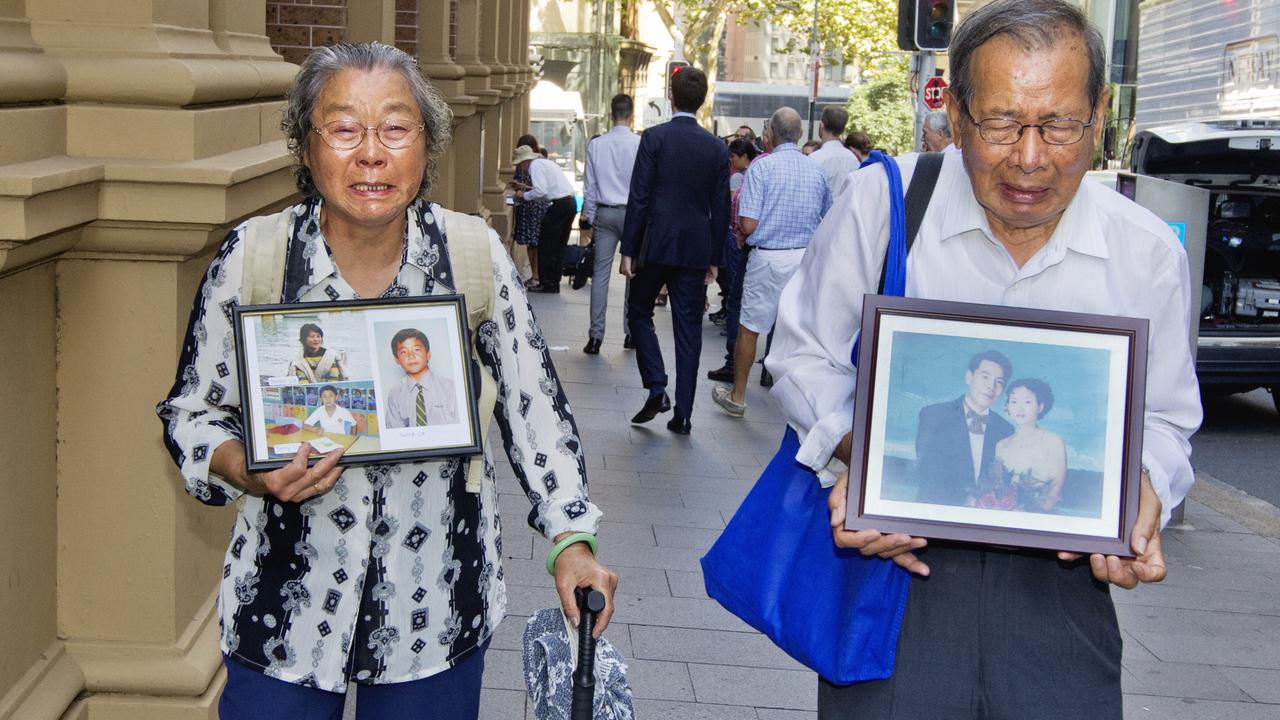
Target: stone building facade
[{"x": 133, "y": 135}]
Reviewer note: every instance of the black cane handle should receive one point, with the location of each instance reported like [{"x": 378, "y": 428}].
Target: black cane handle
[{"x": 590, "y": 603}]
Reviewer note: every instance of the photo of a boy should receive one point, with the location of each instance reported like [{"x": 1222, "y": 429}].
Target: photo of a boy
[
  {"x": 419, "y": 397},
  {"x": 330, "y": 416}
]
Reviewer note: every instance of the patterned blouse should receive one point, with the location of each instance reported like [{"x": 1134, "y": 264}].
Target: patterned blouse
[
  {"x": 528, "y": 213},
  {"x": 395, "y": 573}
]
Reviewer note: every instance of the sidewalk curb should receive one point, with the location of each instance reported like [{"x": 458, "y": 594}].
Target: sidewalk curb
[{"x": 1258, "y": 515}]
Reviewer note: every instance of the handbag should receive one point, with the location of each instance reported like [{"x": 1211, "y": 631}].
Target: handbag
[
  {"x": 775, "y": 565},
  {"x": 577, "y": 263}
]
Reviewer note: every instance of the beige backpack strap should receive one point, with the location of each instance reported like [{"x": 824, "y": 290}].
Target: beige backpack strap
[
  {"x": 468, "y": 240},
  {"x": 266, "y": 241}
]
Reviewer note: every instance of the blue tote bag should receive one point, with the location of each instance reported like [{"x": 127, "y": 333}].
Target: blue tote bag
[{"x": 776, "y": 567}]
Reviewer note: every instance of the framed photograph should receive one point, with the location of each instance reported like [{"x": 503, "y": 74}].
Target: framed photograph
[
  {"x": 998, "y": 425},
  {"x": 386, "y": 379}
]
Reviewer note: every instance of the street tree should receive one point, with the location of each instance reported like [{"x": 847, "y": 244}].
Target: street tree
[
  {"x": 882, "y": 108},
  {"x": 858, "y": 32}
]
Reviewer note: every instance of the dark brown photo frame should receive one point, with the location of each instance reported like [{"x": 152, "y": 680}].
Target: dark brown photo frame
[
  {"x": 881, "y": 499},
  {"x": 279, "y": 408}
]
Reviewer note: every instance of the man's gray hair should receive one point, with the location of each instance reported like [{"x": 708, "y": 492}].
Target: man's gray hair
[
  {"x": 324, "y": 64},
  {"x": 937, "y": 120},
  {"x": 786, "y": 126},
  {"x": 1037, "y": 24}
]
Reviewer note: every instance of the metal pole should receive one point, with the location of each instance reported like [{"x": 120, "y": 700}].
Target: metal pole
[
  {"x": 926, "y": 64},
  {"x": 815, "y": 66}
]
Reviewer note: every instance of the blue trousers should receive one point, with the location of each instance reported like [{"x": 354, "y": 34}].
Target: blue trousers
[{"x": 451, "y": 695}]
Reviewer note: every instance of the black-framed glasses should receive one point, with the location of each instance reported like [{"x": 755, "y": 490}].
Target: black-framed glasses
[
  {"x": 1007, "y": 131},
  {"x": 394, "y": 133}
]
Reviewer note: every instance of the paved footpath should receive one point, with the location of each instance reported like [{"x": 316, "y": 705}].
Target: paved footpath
[{"x": 1204, "y": 644}]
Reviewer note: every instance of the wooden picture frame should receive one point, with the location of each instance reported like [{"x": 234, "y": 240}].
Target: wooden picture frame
[{"x": 1050, "y": 460}]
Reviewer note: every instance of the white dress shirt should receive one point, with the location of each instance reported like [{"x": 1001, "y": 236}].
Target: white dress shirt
[
  {"x": 1106, "y": 256},
  {"x": 610, "y": 159},
  {"x": 548, "y": 180},
  {"x": 837, "y": 162}
]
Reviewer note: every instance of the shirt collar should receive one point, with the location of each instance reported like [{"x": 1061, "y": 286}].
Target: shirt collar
[
  {"x": 786, "y": 147},
  {"x": 422, "y": 260},
  {"x": 683, "y": 114},
  {"x": 620, "y": 130},
  {"x": 1078, "y": 229},
  {"x": 830, "y": 143}
]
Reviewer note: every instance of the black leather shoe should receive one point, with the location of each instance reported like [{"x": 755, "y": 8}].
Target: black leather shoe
[
  {"x": 652, "y": 406},
  {"x": 766, "y": 378},
  {"x": 593, "y": 346},
  {"x": 721, "y": 374},
  {"x": 627, "y": 343},
  {"x": 680, "y": 425}
]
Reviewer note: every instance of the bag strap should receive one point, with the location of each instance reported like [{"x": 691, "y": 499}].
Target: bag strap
[
  {"x": 916, "y": 202},
  {"x": 266, "y": 243},
  {"x": 469, "y": 258}
]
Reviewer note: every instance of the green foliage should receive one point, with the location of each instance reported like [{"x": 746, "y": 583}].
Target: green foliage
[
  {"x": 881, "y": 107},
  {"x": 861, "y": 32}
]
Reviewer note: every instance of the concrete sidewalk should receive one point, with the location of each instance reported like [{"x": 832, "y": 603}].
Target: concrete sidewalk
[{"x": 1203, "y": 644}]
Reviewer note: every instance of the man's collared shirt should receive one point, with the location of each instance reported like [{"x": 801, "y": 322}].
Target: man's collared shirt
[
  {"x": 396, "y": 572},
  {"x": 1107, "y": 256},
  {"x": 837, "y": 163},
  {"x": 548, "y": 181},
  {"x": 786, "y": 194},
  {"x": 610, "y": 159},
  {"x": 438, "y": 401}
]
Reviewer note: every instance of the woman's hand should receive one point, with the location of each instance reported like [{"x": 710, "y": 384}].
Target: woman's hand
[
  {"x": 294, "y": 482},
  {"x": 897, "y": 547},
  {"x": 577, "y": 567}
]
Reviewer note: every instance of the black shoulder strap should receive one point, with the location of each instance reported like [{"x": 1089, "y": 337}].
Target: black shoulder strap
[{"x": 919, "y": 192}]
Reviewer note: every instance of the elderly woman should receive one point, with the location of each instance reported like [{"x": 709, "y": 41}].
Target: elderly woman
[{"x": 388, "y": 576}]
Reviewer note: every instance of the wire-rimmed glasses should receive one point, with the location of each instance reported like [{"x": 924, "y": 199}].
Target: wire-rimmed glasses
[
  {"x": 393, "y": 133},
  {"x": 1007, "y": 131}
]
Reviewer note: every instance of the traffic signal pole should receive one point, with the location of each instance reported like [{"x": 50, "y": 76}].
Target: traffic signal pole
[{"x": 925, "y": 65}]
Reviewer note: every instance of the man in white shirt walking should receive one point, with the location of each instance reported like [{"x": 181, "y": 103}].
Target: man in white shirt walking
[
  {"x": 837, "y": 161},
  {"x": 548, "y": 183},
  {"x": 610, "y": 159}
]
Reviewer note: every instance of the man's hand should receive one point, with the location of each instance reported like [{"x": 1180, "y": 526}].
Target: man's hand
[
  {"x": 577, "y": 567},
  {"x": 1149, "y": 564},
  {"x": 294, "y": 482},
  {"x": 898, "y": 547},
  {"x": 710, "y": 277},
  {"x": 584, "y": 236},
  {"x": 624, "y": 267}
]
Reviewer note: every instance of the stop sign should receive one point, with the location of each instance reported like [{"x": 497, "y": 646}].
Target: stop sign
[{"x": 933, "y": 92}]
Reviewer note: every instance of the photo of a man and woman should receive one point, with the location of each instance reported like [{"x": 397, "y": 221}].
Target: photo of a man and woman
[
  {"x": 375, "y": 378},
  {"x": 982, "y": 424}
]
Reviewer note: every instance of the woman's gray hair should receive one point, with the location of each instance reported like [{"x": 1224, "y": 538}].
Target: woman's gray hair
[
  {"x": 1037, "y": 24},
  {"x": 323, "y": 64}
]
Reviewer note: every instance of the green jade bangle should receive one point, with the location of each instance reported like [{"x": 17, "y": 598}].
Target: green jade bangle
[{"x": 581, "y": 537}]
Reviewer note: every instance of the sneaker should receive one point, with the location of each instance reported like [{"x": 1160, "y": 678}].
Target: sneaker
[{"x": 721, "y": 395}]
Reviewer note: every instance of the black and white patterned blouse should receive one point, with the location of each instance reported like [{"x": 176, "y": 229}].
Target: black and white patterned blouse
[{"x": 395, "y": 573}]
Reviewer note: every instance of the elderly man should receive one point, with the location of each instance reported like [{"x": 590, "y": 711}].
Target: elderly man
[
  {"x": 836, "y": 160},
  {"x": 935, "y": 134},
  {"x": 996, "y": 632},
  {"x": 784, "y": 197}
]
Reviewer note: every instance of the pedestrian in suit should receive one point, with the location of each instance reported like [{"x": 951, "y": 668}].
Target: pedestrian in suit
[
  {"x": 677, "y": 217},
  {"x": 955, "y": 440}
]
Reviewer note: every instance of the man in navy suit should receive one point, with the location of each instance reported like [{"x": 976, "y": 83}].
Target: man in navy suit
[
  {"x": 677, "y": 218},
  {"x": 956, "y": 440}
]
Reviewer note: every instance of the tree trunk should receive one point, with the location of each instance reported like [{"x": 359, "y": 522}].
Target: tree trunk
[{"x": 703, "y": 51}]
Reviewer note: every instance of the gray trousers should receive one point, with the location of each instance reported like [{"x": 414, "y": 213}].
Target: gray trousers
[
  {"x": 605, "y": 235},
  {"x": 995, "y": 634}
]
